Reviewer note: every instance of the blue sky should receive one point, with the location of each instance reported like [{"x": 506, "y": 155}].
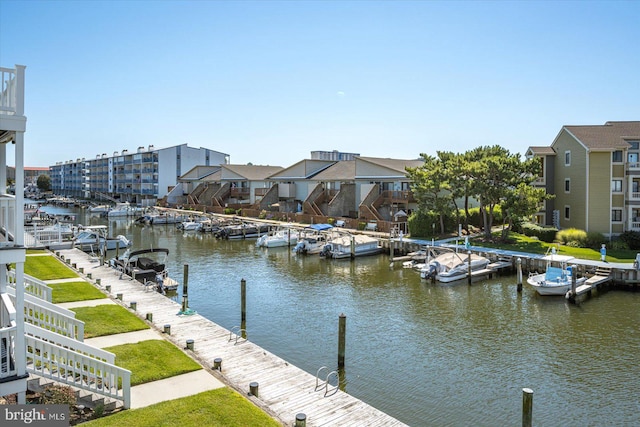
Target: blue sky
[{"x": 268, "y": 82}]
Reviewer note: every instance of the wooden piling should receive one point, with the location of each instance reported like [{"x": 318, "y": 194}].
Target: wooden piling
[
  {"x": 527, "y": 407},
  {"x": 253, "y": 388},
  {"x": 119, "y": 296},
  {"x": 217, "y": 364},
  {"x": 469, "y": 268},
  {"x": 190, "y": 345},
  {"x": 301, "y": 420},
  {"x": 149, "y": 317},
  {"x": 185, "y": 288},
  {"x": 167, "y": 329},
  {"x": 519, "y": 273},
  {"x": 133, "y": 305},
  {"x": 342, "y": 330},
  {"x": 243, "y": 300}
]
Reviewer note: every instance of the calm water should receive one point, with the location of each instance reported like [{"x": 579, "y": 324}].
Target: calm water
[{"x": 426, "y": 354}]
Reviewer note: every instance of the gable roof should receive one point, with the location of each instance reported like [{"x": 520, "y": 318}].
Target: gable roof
[
  {"x": 393, "y": 164},
  {"x": 607, "y": 137},
  {"x": 249, "y": 172},
  {"x": 304, "y": 169},
  {"x": 541, "y": 151},
  {"x": 344, "y": 170}
]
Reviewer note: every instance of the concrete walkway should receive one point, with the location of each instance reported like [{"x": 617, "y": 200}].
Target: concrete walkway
[{"x": 156, "y": 391}]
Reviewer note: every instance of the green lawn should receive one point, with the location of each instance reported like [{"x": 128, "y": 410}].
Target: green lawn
[
  {"x": 74, "y": 291},
  {"x": 108, "y": 319},
  {"x": 221, "y": 407},
  {"x": 47, "y": 268},
  {"x": 152, "y": 360},
  {"x": 519, "y": 242}
]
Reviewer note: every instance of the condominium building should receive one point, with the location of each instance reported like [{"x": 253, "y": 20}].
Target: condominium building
[
  {"x": 594, "y": 173},
  {"x": 142, "y": 176}
]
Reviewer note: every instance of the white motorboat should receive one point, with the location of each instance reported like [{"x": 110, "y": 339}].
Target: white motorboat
[
  {"x": 123, "y": 209},
  {"x": 99, "y": 209},
  {"x": 190, "y": 226},
  {"x": 351, "y": 246},
  {"x": 557, "y": 278},
  {"x": 312, "y": 239},
  {"x": 147, "y": 266},
  {"x": 94, "y": 238},
  {"x": 451, "y": 266},
  {"x": 284, "y": 236}
]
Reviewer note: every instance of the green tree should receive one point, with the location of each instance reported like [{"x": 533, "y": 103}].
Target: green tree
[
  {"x": 44, "y": 183},
  {"x": 431, "y": 187},
  {"x": 522, "y": 202}
]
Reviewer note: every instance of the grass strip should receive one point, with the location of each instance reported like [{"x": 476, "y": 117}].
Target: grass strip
[
  {"x": 108, "y": 319},
  {"x": 152, "y": 360},
  {"x": 74, "y": 291},
  {"x": 221, "y": 407},
  {"x": 47, "y": 268}
]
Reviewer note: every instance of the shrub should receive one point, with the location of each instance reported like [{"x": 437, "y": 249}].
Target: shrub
[
  {"x": 594, "y": 240},
  {"x": 59, "y": 395},
  {"x": 632, "y": 239},
  {"x": 578, "y": 237},
  {"x": 546, "y": 234},
  {"x": 229, "y": 211}
]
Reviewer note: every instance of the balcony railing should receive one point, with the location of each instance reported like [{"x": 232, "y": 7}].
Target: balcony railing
[
  {"x": 7, "y": 219},
  {"x": 12, "y": 91}
]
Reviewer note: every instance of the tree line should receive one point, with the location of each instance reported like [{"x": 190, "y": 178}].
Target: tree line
[{"x": 491, "y": 175}]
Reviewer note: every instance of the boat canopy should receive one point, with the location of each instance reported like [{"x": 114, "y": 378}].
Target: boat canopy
[{"x": 320, "y": 227}]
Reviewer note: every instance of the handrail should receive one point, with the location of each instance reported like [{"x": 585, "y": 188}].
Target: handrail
[
  {"x": 50, "y": 316},
  {"x": 69, "y": 343},
  {"x": 64, "y": 365},
  {"x": 238, "y": 332},
  {"x": 327, "y": 382},
  {"x": 32, "y": 286},
  {"x": 7, "y": 346}
]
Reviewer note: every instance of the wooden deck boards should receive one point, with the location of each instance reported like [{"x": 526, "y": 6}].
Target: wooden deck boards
[{"x": 285, "y": 390}]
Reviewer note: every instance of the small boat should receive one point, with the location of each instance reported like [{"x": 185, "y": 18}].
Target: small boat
[
  {"x": 190, "y": 226},
  {"x": 557, "y": 278},
  {"x": 350, "y": 246},
  {"x": 99, "y": 209},
  {"x": 242, "y": 231},
  {"x": 123, "y": 209},
  {"x": 147, "y": 266},
  {"x": 312, "y": 239},
  {"x": 451, "y": 266},
  {"x": 94, "y": 238},
  {"x": 284, "y": 236}
]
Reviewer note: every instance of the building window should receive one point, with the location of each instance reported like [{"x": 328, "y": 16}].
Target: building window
[
  {"x": 616, "y": 186},
  {"x": 633, "y": 159},
  {"x": 567, "y": 185},
  {"x": 567, "y": 158},
  {"x": 567, "y": 213},
  {"x": 616, "y": 157},
  {"x": 635, "y": 145},
  {"x": 616, "y": 215}
]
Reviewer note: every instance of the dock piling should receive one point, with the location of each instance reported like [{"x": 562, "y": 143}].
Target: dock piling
[
  {"x": 243, "y": 300},
  {"x": 217, "y": 364},
  {"x": 519, "y": 273},
  {"x": 253, "y": 388},
  {"x": 527, "y": 407},
  {"x": 342, "y": 328},
  {"x": 301, "y": 420}
]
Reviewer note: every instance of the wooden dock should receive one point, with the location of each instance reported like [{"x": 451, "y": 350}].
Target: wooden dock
[
  {"x": 281, "y": 389},
  {"x": 602, "y": 276}
]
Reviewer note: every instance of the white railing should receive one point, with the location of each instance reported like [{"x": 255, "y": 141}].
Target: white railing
[
  {"x": 12, "y": 90},
  {"x": 50, "y": 317},
  {"x": 7, "y": 356},
  {"x": 32, "y": 286},
  {"x": 7, "y": 310},
  {"x": 69, "y": 343},
  {"x": 7, "y": 219},
  {"x": 66, "y": 366}
]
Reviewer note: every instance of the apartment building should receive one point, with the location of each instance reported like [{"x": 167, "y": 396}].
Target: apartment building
[
  {"x": 141, "y": 177},
  {"x": 594, "y": 172}
]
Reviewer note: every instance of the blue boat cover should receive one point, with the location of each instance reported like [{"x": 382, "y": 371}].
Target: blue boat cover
[{"x": 320, "y": 227}]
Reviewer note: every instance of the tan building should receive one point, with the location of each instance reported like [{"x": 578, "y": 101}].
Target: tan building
[{"x": 594, "y": 172}]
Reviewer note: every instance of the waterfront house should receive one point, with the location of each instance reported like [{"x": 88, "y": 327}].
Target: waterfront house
[
  {"x": 193, "y": 187},
  {"x": 594, "y": 172}
]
